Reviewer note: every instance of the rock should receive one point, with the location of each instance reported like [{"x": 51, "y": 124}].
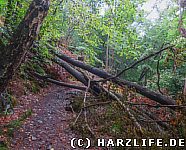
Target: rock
[
  {"x": 33, "y": 138},
  {"x": 49, "y": 147},
  {"x": 39, "y": 121}
]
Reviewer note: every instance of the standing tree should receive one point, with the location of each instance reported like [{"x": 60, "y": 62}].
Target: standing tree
[{"x": 21, "y": 41}]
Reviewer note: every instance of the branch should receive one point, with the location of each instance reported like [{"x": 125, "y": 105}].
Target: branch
[
  {"x": 137, "y": 62},
  {"x": 148, "y": 115},
  {"x": 158, "y": 75},
  {"x": 100, "y": 103},
  {"x": 85, "y": 111},
  {"x": 162, "y": 99},
  {"x": 157, "y": 106},
  {"x": 155, "y": 121},
  {"x": 45, "y": 78}
]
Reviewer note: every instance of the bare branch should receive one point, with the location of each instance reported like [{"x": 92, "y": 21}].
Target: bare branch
[
  {"x": 157, "y": 106},
  {"x": 96, "y": 104},
  {"x": 46, "y": 78},
  {"x": 162, "y": 99},
  {"x": 137, "y": 62}
]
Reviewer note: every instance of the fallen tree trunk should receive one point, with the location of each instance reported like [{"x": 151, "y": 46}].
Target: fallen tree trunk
[
  {"x": 157, "y": 97},
  {"x": 95, "y": 88},
  {"x": 48, "y": 79},
  {"x": 45, "y": 78},
  {"x": 79, "y": 76},
  {"x": 12, "y": 55}
]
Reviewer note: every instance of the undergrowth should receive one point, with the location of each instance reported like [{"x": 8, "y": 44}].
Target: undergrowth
[{"x": 110, "y": 120}]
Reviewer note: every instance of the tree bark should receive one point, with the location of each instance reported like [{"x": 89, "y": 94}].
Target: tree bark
[
  {"x": 12, "y": 55},
  {"x": 184, "y": 90},
  {"x": 96, "y": 89},
  {"x": 48, "y": 79},
  {"x": 157, "y": 97}
]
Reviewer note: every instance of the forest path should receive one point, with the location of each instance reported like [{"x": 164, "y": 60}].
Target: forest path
[{"x": 48, "y": 127}]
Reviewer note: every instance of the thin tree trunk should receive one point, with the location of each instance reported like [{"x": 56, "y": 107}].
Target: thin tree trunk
[
  {"x": 12, "y": 55},
  {"x": 184, "y": 90},
  {"x": 60, "y": 83},
  {"x": 107, "y": 55}
]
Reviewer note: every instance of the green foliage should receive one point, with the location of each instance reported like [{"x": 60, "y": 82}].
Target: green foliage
[
  {"x": 13, "y": 12},
  {"x": 122, "y": 28},
  {"x": 93, "y": 27},
  {"x": 3, "y": 3},
  {"x": 96, "y": 26},
  {"x": 3, "y": 146}
]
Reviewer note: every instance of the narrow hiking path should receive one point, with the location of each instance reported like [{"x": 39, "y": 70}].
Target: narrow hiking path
[{"x": 48, "y": 127}]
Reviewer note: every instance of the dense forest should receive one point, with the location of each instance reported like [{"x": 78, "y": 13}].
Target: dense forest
[{"x": 112, "y": 69}]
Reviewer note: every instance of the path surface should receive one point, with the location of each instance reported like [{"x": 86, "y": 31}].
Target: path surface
[{"x": 48, "y": 128}]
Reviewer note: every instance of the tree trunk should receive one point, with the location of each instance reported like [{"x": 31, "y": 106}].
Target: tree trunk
[
  {"x": 96, "y": 89},
  {"x": 162, "y": 99},
  {"x": 12, "y": 55},
  {"x": 184, "y": 90},
  {"x": 48, "y": 79},
  {"x": 107, "y": 55}
]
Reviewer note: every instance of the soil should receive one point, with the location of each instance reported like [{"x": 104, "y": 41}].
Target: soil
[{"x": 48, "y": 127}]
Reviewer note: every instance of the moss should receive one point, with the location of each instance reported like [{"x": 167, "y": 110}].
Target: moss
[
  {"x": 32, "y": 86},
  {"x": 3, "y": 146},
  {"x": 1, "y": 131},
  {"x": 27, "y": 114},
  {"x": 77, "y": 104},
  {"x": 17, "y": 123}
]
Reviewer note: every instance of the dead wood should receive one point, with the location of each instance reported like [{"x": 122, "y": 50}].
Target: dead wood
[
  {"x": 157, "y": 97},
  {"x": 48, "y": 79}
]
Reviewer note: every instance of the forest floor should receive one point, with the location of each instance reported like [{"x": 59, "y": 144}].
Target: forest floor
[
  {"x": 48, "y": 126},
  {"x": 41, "y": 120}
]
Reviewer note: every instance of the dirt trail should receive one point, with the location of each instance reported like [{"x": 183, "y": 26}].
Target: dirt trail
[{"x": 49, "y": 125}]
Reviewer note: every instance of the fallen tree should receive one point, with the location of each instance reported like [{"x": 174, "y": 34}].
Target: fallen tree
[
  {"x": 94, "y": 88},
  {"x": 157, "y": 97},
  {"x": 79, "y": 76},
  {"x": 48, "y": 79}
]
